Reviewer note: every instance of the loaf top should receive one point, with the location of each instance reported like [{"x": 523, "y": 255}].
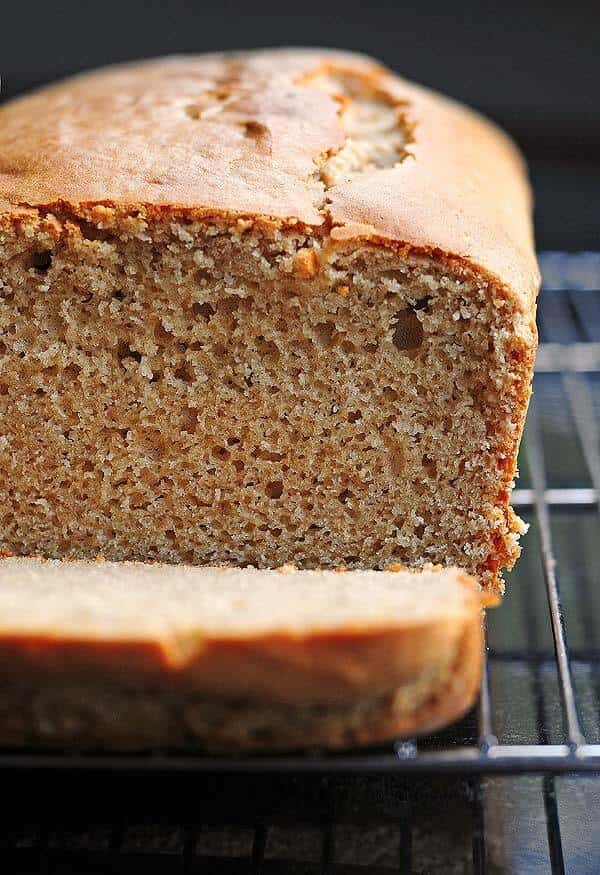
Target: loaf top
[
  {"x": 284, "y": 635},
  {"x": 323, "y": 139}
]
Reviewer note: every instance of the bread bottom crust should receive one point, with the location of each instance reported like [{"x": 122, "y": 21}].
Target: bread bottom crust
[{"x": 124, "y": 716}]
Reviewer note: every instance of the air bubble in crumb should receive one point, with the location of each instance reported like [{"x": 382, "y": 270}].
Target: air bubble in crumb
[
  {"x": 274, "y": 489},
  {"x": 408, "y": 331},
  {"x": 41, "y": 260}
]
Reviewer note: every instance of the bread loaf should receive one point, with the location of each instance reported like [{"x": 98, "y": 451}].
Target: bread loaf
[
  {"x": 261, "y": 308},
  {"x": 134, "y": 656}
]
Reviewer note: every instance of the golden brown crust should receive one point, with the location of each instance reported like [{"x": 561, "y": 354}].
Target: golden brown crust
[
  {"x": 91, "y": 681},
  {"x": 126, "y": 713},
  {"x": 335, "y": 666},
  {"x": 251, "y": 135}
]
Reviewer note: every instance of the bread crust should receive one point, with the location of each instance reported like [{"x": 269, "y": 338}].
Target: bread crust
[
  {"x": 249, "y": 135},
  {"x": 92, "y": 715},
  {"x": 346, "y": 685}
]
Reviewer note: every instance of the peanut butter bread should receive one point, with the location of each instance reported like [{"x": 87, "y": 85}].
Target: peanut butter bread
[
  {"x": 133, "y": 656},
  {"x": 261, "y": 308}
]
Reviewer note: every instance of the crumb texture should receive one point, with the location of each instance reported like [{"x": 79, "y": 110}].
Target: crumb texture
[{"x": 197, "y": 393}]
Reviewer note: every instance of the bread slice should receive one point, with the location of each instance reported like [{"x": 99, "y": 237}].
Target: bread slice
[
  {"x": 135, "y": 656},
  {"x": 261, "y": 308}
]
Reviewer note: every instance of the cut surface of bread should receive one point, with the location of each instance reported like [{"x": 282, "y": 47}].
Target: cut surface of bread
[
  {"x": 257, "y": 309},
  {"x": 133, "y": 656}
]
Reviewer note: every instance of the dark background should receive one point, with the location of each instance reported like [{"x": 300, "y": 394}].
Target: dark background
[{"x": 532, "y": 66}]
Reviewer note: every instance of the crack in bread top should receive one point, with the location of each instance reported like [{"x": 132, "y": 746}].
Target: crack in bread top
[
  {"x": 241, "y": 134},
  {"x": 326, "y": 139},
  {"x": 377, "y": 129}
]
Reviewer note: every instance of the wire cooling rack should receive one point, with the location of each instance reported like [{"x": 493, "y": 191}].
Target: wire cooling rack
[{"x": 538, "y": 714}]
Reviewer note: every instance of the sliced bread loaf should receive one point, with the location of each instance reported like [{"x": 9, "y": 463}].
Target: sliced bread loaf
[
  {"x": 135, "y": 656},
  {"x": 261, "y": 308}
]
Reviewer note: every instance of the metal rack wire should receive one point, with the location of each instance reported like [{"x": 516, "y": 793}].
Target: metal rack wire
[{"x": 532, "y": 666}]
